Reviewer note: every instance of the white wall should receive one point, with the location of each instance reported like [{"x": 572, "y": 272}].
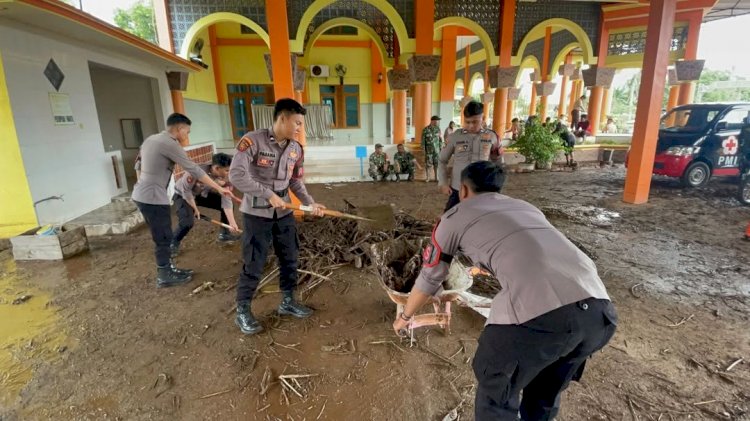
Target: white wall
[
  {"x": 63, "y": 160},
  {"x": 121, "y": 95},
  {"x": 211, "y": 123}
]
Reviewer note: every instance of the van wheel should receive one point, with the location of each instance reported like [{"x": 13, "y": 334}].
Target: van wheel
[
  {"x": 744, "y": 192},
  {"x": 697, "y": 174}
]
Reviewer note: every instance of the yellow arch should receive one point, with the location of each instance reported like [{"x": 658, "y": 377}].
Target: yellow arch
[
  {"x": 350, "y": 22},
  {"x": 484, "y": 38},
  {"x": 213, "y": 18},
  {"x": 530, "y": 62},
  {"x": 456, "y": 85},
  {"x": 560, "y": 59},
  {"x": 407, "y": 45},
  {"x": 474, "y": 77},
  {"x": 538, "y": 32}
]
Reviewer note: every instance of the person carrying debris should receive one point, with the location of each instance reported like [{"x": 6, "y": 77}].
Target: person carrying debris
[
  {"x": 551, "y": 314},
  {"x": 159, "y": 153},
  {"x": 432, "y": 143},
  {"x": 568, "y": 143},
  {"x": 470, "y": 144},
  {"x": 404, "y": 163},
  {"x": 379, "y": 165},
  {"x": 191, "y": 193},
  {"x": 268, "y": 164}
]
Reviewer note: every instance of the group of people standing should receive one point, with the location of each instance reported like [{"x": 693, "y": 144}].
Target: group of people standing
[{"x": 551, "y": 314}]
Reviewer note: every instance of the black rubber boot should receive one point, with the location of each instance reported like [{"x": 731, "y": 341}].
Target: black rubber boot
[
  {"x": 174, "y": 250},
  {"x": 166, "y": 277},
  {"x": 291, "y": 307},
  {"x": 245, "y": 320}
]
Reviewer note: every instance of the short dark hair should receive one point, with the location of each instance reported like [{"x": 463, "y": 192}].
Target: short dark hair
[
  {"x": 473, "y": 108},
  {"x": 515, "y": 120},
  {"x": 221, "y": 160},
  {"x": 483, "y": 177},
  {"x": 177, "y": 118},
  {"x": 287, "y": 106}
]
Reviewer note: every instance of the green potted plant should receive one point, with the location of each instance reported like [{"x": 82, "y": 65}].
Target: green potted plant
[{"x": 538, "y": 144}]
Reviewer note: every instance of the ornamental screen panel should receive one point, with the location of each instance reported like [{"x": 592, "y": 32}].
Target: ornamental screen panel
[{"x": 634, "y": 42}]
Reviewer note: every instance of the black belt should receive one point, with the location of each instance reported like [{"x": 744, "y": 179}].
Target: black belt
[{"x": 281, "y": 193}]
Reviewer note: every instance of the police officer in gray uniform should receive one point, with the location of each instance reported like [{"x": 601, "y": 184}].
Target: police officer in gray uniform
[
  {"x": 469, "y": 144},
  {"x": 268, "y": 164},
  {"x": 159, "y": 153},
  {"x": 551, "y": 314}
]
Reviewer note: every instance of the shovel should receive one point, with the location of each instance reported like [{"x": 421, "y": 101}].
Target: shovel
[
  {"x": 337, "y": 214},
  {"x": 213, "y": 221}
]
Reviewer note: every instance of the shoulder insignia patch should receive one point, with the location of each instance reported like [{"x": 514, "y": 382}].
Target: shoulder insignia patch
[
  {"x": 245, "y": 143},
  {"x": 190, "y": 179},
  {"x": 293, "y": 154}
]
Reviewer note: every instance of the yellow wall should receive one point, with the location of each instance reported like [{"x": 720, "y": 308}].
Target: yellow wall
[
  {"x": 358, "y": 70},
  {"x": 243, "y": 65},
  {"x": 17, "y": 210},
  {"x": 201, "y": 86}
]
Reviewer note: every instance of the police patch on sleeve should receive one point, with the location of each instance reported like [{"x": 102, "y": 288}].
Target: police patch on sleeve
[
  {"x": 245, "y": 143},
  {"x": 431, "y": 253}
]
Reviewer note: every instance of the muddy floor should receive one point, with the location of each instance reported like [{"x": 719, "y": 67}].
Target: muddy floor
[{"x": 103, "y": 343}]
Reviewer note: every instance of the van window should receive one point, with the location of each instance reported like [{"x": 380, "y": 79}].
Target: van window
[
  {"x": 690, "y": 120},
  {"x": 735, "y": 118}
]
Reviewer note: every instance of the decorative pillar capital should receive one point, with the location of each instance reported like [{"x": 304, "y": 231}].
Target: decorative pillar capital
[
  {"x": 567, "y": 69},
  {"x": 577, "y": 74},
  {"x": 269, "y": 65},
  {"x": 513, "y": 93},
  {"x": 424, "y": 68},
  {"x": 598, "y": 76},
  {"x": 689, "y": 70},
  {"x": 399, "y": 79},
  {"x": 545, "y": 88},
  {"x": 177, "y": 81},
  {"x": 503, "y": 77}
]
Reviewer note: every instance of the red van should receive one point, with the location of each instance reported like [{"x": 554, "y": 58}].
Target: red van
[{"x": 699, "y": 141}]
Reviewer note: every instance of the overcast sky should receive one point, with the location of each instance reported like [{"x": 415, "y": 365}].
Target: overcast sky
[{"x": 723, "y": 43}]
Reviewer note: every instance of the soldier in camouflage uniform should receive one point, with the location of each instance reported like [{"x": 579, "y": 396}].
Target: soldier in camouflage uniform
[
  {"x": 404, "y": 162},
  {"x": 379, "y": 165},
  {"x": 432, "y": 142}
]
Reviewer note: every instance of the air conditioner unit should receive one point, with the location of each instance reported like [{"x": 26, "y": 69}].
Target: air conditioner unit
[{"x": 319, "y": 70}]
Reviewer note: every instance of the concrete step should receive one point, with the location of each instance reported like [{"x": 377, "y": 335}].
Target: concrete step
[{"x": 118, "y": 217}]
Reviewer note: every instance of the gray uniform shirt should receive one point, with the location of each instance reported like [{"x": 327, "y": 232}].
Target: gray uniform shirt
[
  {"x": 538, "y": 268},
  {"x": 261, "y": 167},
  {"x": 188, "y": 187},
  {"x": 159, "y": 154},
  {"x": 466, "y": 148}
]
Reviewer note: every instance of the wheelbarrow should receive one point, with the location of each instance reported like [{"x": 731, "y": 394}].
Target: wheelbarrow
[{"x": 400, "y": 259}]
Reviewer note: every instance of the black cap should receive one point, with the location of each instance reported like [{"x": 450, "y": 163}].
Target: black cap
[
  {"x": 378, "y": 145},
  {"x": 435, "y": 117}
]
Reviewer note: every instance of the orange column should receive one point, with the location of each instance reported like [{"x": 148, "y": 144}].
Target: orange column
[
  {"x": 448, "y": 64},
  {"x": 574, "y": 94},
  {"x": 650, "y": 97},
  {"x": 674, "y": 94},
  {"x": 507, "y": 24},
  {"x": 500, "y": 114},
  {"x": 178, "y": 103},
  {"x": 302, "y": 138},
  {"x": 532, "y": 102},
  {"x": 687, "y": 89},
  {"x": 545, "y": 70},
  {"x": 216, "y": 66},
  {"x": 509, "y": 115},
  {"x": 281, "y": 62},
  {"x": 606, "y": 103},
  {"x": 424, "y": 20},
  {"x": 595, "y": 108},
  {"x": 399, "y": 116},
  {"x": 563, "y": 91},
  {"x": 378, "y": 82},
  {"x": 467, "y": 51}
]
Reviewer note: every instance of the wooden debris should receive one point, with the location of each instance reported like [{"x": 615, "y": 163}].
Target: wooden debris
[
  {"x": 22, "y": 299},
  {"x": 734, "y": 364},
  {"x": 211, "y": 395}
]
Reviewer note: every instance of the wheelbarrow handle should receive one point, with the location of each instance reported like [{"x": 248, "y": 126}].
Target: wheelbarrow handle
[
  {"x": 329, "y": 212},
  {"x": 213, "y": 221}
]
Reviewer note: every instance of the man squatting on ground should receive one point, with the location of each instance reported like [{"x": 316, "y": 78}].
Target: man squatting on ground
[
  {"x": 404, "y": 163},
  {"x": 189, "y": 193},
  {"x": 159, "y": 153},
  {"x": 267, "y": 165},
  {"x": 469, "y": 144},
  {"x": 551, "y": 314}
]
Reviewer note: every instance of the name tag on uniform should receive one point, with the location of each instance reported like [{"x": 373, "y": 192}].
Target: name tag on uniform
[
  {"x": 265, "y": 162},
  {"x": 267, "y": 154},
  {"x": 462, "y": 147}
]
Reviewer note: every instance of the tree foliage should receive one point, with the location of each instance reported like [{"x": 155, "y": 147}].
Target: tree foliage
[
  {"x": 138, "y": 20},
  {"x": 729, "y": 93}
]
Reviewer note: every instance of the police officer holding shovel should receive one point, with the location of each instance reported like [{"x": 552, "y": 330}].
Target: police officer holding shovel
[
  {"x": 551, "y": 314},
  {"x": 268, "y": 164}
]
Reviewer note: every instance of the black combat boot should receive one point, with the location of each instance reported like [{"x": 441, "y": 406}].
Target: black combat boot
[
  {"x": 226, "y": 237},
  {"x": 166, "y": 276},
  {"x": 290, "y": 306},
  {"x": 245, "y": 320},
  {"x": 181, "y": 271},
  {"x": 174, "y": 249}
]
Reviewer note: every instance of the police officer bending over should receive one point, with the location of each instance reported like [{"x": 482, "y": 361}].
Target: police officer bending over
[
  {"x": 267, "y": 165},
  {"x": 551, "y": 313},
  {"x": 469, "y": 144},
  {"x": 159, "y": 153},
  {"x": 190, "y": 193}
]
